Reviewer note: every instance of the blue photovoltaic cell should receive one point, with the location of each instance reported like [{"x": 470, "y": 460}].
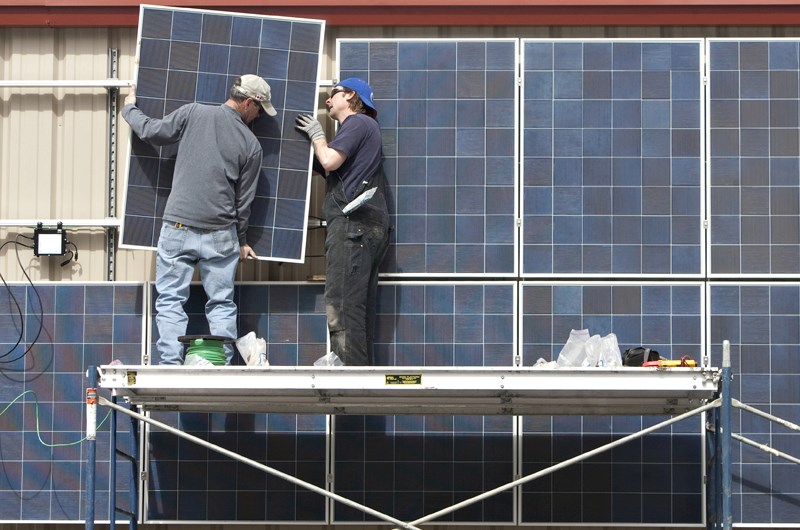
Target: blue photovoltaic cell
[
  {"x": 656, "y": 480},
  {"x": 188, "y": 482},
  {"x": 83, "y": 325},
  {"x": 445, "y": 324},
  {"x": 612, "y": 158},
  {"x": 411, "y": 466},
  {"x": 194, "y": 56},
  {"x": 753, "y": 163},
  {"x": 447, "y": 110},
  {"x": 762, "y": 323}
]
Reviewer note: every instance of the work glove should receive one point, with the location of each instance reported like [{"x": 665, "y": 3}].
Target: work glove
[{"x": 307, "y": 124}]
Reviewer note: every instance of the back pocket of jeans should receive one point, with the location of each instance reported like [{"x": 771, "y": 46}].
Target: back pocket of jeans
[{"x": 171, "y": 239}]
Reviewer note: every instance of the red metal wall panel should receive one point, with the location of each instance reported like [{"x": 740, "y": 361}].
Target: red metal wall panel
[{"x": 101, "y": 13}]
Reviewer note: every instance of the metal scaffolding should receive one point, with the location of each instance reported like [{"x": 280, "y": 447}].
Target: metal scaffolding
[{"x": 677, "y": 392}]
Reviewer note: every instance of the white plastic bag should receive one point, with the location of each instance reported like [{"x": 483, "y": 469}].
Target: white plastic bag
[
  {"x": 329, "y": 359},
  {"x": 593, "y": 346},
  {"x": 196, "y": 360},
  {"x": 253, "y": 350},
  {"x": 610, "y": 356},
  {"x": 574, "y": 351},
  {"x": 541, "y": 363}
]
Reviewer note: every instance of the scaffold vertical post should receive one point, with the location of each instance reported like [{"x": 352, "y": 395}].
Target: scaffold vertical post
[
  {"x": 91, "y": 445},
  {"x": 725, "y": 436},
  {"x": 112, "y": 471}
]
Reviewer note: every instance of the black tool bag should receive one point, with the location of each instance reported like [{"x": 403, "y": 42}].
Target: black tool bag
[{"x": 639, "y": 356}]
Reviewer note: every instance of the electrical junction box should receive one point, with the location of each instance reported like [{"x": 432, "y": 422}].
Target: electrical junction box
[{"x": 49, "y": 241}]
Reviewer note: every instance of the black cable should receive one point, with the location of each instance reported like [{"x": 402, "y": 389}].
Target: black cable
[
  {"x": 19, "y": 309},
  {"x": 18, "y": 244},
  {"x": 66, "y": 261}
]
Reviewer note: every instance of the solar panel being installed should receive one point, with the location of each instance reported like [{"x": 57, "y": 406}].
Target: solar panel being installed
[{"x": 188, "y": 55}]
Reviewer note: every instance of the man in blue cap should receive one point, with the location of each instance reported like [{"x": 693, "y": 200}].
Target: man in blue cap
[{"x": 357, "y": 236}]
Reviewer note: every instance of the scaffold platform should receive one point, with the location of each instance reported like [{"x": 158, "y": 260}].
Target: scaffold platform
[{"x": 413, "y": 389}]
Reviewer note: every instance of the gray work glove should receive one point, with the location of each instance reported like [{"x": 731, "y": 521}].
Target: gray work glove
[{"x": 307, "y": 124}]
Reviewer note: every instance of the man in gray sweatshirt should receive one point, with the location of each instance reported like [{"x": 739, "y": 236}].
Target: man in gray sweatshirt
[{"x": 206, "y": 217}]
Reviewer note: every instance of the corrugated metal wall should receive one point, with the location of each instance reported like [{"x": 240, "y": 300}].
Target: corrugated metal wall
[
  {"x": 54, "y": 142},
  {"x": 54, "y": 155}
]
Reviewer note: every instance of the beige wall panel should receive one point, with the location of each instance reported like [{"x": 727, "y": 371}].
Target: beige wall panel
[{"x": 54, "y": 145}]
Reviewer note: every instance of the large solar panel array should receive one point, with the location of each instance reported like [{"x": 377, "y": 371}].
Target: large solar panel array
[
  {"x": 761, "y": 320},
  {"x": 43, "y": 473},
  {"x": 612, "y": 185},
  {"x": 447, "y": 110},
  {"x": 188, "y": 55},
  {"x": 612, "y": 158}
]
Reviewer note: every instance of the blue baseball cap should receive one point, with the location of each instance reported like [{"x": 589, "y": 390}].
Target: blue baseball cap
[{"x": 361, "y": 88}]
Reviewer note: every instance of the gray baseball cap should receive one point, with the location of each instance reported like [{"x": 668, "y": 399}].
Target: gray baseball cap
[{"x": 256, "y": 88}]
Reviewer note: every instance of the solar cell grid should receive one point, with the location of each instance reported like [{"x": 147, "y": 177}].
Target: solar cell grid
[
  {"x": 612, "y": 151},
  {"x": 43, "y": 473},
  {"x": 410, "y": 466},
  {"x": 644, "y": 475},
  {"x": 190, "y": 55},
  {"x": 761, "y": 320},
  {"x": 291, "y": 318},
  {"x": 753, "y": 96},
  {"x": 447, "y": 115}
]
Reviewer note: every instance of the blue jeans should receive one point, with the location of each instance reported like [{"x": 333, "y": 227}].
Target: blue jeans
[{"x": 180, "y": 250}]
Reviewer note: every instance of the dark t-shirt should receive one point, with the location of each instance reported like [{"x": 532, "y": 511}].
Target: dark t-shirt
[{"x": 359, "y": 138}]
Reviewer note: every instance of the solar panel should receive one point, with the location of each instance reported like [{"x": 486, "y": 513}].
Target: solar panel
[
  {"x": 189, "y": 55},
  {"x": 411, "y": 466},
  {"x": 612, "y": 158},
  {"x": 291, "y": 317},
  {"x": 754, "y": 96},
  {"x": 761, "y": 320},
  {"x": 447, "y": 110},
  {"x": 188, "y": 482},
  {"x": 656, "y": 480},
  {"x": 43, "y": 475}
]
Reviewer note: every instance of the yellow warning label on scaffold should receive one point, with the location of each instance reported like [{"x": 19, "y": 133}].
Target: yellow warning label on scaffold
[{"x": 403, "y": 379}]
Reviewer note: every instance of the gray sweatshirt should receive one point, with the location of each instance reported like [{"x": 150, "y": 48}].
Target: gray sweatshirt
[{"x": 217, "y": 167}]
